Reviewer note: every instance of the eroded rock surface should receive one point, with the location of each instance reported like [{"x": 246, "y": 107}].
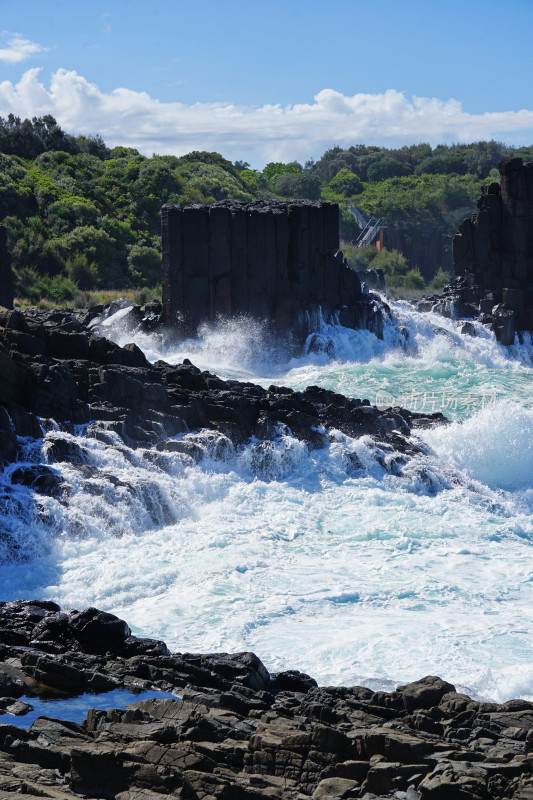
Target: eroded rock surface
[
  {"x": 237, "y": 731},
  {"x": 6, "y": 276},
  {"x": 53, "y": 367}
]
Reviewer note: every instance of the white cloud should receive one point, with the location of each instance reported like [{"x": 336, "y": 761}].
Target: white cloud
[
  {"x": 258, "y": 133},
  {"x": 18, "y": 48}
]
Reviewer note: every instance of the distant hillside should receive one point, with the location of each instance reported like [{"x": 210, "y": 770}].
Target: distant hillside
[{"x": 81, "y": 216}]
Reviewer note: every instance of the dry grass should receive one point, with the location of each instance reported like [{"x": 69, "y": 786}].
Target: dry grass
[
  {"x": 408, "y": 293},
  {"x": 95, "y": 298}
]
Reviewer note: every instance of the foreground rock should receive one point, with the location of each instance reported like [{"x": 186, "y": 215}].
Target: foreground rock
[
  {"x": 54, "y": 368},
  {"x": 237, "y": 731}
]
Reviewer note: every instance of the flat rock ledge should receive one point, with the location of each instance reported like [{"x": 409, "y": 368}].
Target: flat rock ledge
[{"x": 235, "y": 731}]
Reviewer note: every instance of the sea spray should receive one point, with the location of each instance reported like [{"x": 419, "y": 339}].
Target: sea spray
[{"x": 352, "y": 562}]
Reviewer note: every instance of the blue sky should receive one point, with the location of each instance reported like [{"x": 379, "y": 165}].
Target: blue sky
[{"x": 268, "y": 80}]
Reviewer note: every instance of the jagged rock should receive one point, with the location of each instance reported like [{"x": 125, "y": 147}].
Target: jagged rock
[
  {"x": 424, "y": 693},
  {"x": 39, "y": 478},
  {"x": 237, "y": 732},
  {"x": 146, "y": 404},
  {"x": 333, "y": 788},
  {"x": 293, "y": 681},
  {"x": 493, "y": 259}
]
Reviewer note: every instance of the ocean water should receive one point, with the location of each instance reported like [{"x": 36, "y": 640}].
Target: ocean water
[{"x": 315, "y": 560}]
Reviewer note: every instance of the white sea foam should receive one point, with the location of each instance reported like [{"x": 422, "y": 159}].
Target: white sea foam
[
  {"x": 324, "y": 560},
  {"x": 495, "y": 446}
]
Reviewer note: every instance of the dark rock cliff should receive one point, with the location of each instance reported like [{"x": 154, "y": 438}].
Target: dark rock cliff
[
  {"x": 273, "y": 260},
  {"x": 6, "y": 276},
  {"x": 493, "y": 251}
]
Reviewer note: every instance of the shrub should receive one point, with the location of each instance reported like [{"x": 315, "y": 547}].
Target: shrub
[
  {"x": 440, "y": 279},
  {"x": 346, "y": 183},
  {"x": 29, "y": 285},
  {"x": 144, "y": 265},
  {"x": 413, "y": 279},
  {"x": 80, "y": 272},
  {"x": 359, "y": 258}
]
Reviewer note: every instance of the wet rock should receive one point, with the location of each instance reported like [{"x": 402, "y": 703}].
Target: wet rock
[
  {"x": 98, "y": 631},
  {"x": 146, "y": 404},
  {"x": 469, "y": 329},
  {"x": 504, "y": 324},
  {"x": 293, "y": 681},
  {"x": 61, "y": 449},
  {"x": 39, "y": 478},
  {"x": 8, "y": 439},
  {"x": 18, "y": 709},
  {"x": 238, "y": 732},
  {"x": 425, "y": 693}
]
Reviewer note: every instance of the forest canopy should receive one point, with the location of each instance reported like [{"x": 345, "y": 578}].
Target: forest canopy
[{"x": 82, "y": 216}]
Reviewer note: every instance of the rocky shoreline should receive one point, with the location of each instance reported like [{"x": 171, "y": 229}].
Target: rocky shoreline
[
  {"x": 235, "y": 732},
  {"x": 54, "y": 367}
]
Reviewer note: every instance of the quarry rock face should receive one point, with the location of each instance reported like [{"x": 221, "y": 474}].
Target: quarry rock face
[
  {"x": 271, "y": 260},
  {"x": 6, "y": 277},
  {"x": 493, "y": 251}
]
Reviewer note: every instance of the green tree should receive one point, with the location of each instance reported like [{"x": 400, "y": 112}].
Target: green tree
[
  {"x": 214, "y": 181},
  {"x": 254, "y": 181},
  {"x": 346, "y": 183},
  {"x": 68, "y": 213},
  {"x": 386, "y": 167},
  {"x": 274, "y": 168},
  {"x": 303, "y": 185},
  {"x": 144, "y": 265}
]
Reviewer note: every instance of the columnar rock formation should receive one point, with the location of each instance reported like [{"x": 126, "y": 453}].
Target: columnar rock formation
[
  {"x": 272, "y": 260},
  {"x": 493, "y": 250},
  {"x": 6, "y": 277}
]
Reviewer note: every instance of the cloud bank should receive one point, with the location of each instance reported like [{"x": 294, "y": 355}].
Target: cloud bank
[
  {"x": 257, "y": 133},
  {"x": 19, "y": 49}
]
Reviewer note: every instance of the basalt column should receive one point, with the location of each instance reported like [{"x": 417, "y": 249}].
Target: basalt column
[
  {"x": 238, "y": 244},
  {"x": 198, "y": 289},
  {"x": 261, "y": 263},
  {"x": 494, "y": 249},
  {"x": 6, "y": 276},
  {"x": 220, "y": 260},
  {"x": 271, "y": 260}
]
